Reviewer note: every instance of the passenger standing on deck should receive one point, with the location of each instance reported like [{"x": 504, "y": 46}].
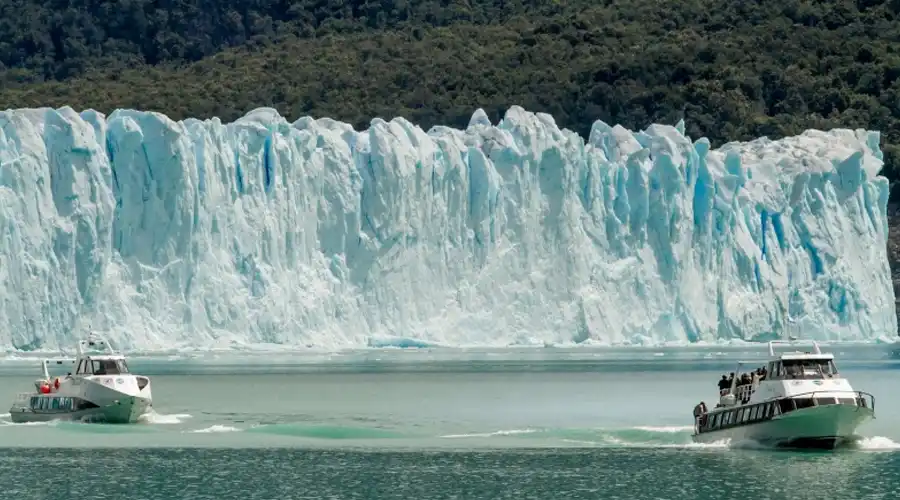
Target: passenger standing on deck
[
  {"x": 700, "y": 413},
  {"x": 724, "y": 383}
]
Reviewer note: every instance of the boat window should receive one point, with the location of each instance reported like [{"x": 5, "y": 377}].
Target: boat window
[
  {"x": 123, "y": 367},
  {"x": 786, "y": 405},
  {"x": 848, "y": 401},
  {"x": 809, "y": 369},
  {"x": 754, "y": 413},
  {"x": 108, "y": 367},
  {"x": 803, "y": 403}
]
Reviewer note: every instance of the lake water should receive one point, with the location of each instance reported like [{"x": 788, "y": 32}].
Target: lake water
[{"x": 515, "y": 423}]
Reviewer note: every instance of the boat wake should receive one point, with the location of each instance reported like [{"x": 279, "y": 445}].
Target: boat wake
[
  {"x": 661, "y": 437},
  {"x": 151, "y": 418},
  {"x": 637, "y": 437},
  {"x": 215, "y": 429},
  {"x": 162, "y": 419},
  {"x": 630, "y": 437},
  {"x": 5, "y": 421},
  {"x": 876, "y": 443}
]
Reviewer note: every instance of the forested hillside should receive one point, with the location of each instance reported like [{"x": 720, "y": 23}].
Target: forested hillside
[{"x": 734, "y": 70}]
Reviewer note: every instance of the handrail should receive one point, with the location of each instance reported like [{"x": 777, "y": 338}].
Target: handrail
[
  {"x": 811, "y": 394},
  {"x": 743, "y": 390},
  {"x": 823, "y": 391},
  {"x": 859, "y": 395},
  {"x": 816, "y": 349}
]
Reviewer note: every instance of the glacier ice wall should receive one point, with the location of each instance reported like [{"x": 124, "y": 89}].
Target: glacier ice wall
[{"x": 166, "y": 234}]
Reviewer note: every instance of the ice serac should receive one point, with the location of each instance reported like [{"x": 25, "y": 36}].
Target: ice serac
[{"x": 200, "y": 234}]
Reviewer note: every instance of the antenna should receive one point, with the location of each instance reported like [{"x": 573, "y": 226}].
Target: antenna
[{"x": 787, "y": 320}]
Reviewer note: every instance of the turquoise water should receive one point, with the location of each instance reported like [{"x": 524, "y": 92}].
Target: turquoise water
[{"x": 529, "y": 423}]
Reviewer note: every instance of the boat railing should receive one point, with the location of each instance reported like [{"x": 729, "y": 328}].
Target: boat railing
[
  {"x": 862, "y": 399},
  {"x": 743, "y": 393},
  {"x": 773, "y": 343}
]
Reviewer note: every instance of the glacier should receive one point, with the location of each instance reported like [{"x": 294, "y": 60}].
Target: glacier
[{"x": 261, "y": 232}]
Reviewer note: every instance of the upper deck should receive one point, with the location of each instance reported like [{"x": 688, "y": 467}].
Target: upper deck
[
  {"x": 95, "y": 356},
  {"x": 787, "y": 374}
]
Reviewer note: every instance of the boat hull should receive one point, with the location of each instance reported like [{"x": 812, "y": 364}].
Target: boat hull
[
  {"x": 820, "y": 427},
  {"x": 125, "y": 410}
]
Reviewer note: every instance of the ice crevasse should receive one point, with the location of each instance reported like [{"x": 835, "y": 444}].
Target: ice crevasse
[{"x": 199, "y": 234}]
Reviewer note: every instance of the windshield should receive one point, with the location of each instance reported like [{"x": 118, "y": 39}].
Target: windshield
[
  {"x": 109, "y": 367},
  {"x": 809, "y": 369}
]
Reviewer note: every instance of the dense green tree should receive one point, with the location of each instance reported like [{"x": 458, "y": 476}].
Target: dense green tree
[{"x": 733, "y": 70}]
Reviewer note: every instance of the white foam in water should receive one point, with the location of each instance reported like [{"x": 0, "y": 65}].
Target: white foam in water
[
  {"x": 199, "y": 234},
  {"x": 215, "y": 429},
  {"x": 670, "y": 429},
  {"x": 51, "y": 423},
  {"x": 161, "y": 419},
  {"x": 511, "y": 432},
  {"x": 877, "y": 443}
]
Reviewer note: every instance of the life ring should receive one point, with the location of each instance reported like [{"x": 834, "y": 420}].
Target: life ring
[
  {"x": 56, "y": 383},
  {"x": 45, "y": 388}
]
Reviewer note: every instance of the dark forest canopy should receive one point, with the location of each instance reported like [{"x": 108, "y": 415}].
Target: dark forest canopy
[{"x": 734, "y": 70}]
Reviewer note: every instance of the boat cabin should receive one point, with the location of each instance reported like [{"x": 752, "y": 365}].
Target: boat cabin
[
  {"x": 107, "y": 363},
  {"x": 101, "y": 365},
  {"x": 104, "y": 362},
  {"x": 788, "y": 374},
  {"x": 805, "y": 366}
]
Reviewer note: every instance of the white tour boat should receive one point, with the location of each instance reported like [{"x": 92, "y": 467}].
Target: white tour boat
[
  {"x": 797, "y": 400},
  {"x": 101, "y": 390}
]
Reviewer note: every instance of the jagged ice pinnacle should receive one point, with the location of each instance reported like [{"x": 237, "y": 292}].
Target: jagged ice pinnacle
[{"x": 166, "y": 234}]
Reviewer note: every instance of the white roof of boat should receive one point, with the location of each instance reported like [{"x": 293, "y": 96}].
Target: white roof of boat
[{"x": 804, "y": 355}]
